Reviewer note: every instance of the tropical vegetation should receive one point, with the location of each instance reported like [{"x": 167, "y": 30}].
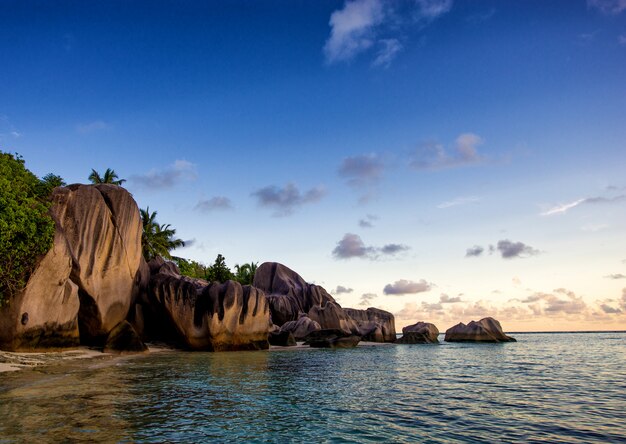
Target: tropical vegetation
[
  {"x": 157, "y": 240},
  {"x": 26, "y": 228},
  {"x": 109, "y": 176},
  {"x": 219, "y": 271}
]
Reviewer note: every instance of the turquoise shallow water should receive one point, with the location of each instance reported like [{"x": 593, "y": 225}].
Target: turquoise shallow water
[{"x": 545, "y": 388}]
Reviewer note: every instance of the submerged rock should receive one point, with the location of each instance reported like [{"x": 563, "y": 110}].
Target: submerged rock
[
  {"x": 373, "y": 324},
  {"x": 332, "y": 338},
  {"x": 83, "y": 287},
  {"x": 485, "y": 330},
  {"x": 419, "y": 333},
  {"x": 124, "y": 339},
  {"x": 209, "y": 316}
]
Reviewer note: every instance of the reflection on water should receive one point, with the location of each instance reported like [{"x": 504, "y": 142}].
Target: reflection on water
[{"x": 546, "y": 387}]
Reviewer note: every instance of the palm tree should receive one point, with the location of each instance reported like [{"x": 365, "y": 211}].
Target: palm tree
[
  {"x": 157, "y": 240},
  {"x": 110, "y": 176},
  {"x": 245, "y": 273}
]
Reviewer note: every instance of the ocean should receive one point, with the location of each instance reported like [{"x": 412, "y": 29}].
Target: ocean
[{"x": 557, "y": 387}]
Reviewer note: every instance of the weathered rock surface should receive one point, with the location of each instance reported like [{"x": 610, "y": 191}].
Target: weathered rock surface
[
  {"x": 83, "y": 287},
  {"x": 332, "y": 316},
  {"x": 373, "y": 324},
  {"x": 332, "y": 338},
  {"x": 124, "y": 339},
  {"x": 209, "y": 316},
  {"x": 45, "y": 313},
  {"x": 485, "y": 330},
  {"x": 288, "y": 293},
  {"x": 291, "y": 297},
  {"x": 301, "y": 328},
  {"x": 102, "y": 226},
  {"x": 419, "y": 333},
  {"x": 282, "y": 338}
]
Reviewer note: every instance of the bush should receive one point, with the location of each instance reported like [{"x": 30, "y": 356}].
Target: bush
[{"x": 26, "y": 228}]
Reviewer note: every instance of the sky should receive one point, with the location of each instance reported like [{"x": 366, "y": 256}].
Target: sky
[{"x": 444, "y": 160}]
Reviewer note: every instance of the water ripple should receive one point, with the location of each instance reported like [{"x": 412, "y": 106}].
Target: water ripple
[{"x": 544, "y": 388}]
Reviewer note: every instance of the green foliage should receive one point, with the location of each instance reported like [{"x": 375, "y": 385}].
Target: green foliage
[
  {"x": 191, "y": 268},
  {"x": 48, "y": 183},
  {"x": 219, "y": 271},
  {"x": 157, "y": 240},
  {"x": 244, "y": 274},
  {"x": 26, "y": 228},
  {"x": 110, "y": 176}
]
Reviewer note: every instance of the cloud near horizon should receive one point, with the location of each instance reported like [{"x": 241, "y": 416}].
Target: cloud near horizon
[
  {"x": 351, "y": 245},
  {"x": 404, "y": 286},
  {"x": 178, "y": 172},
  {"x": 342, "y": 290},
  {"x": 367, "y": 298},
  {"x": 616, "y": 276},
  {"x": 433, "y": 156},
  {"x": 561, "y": 304},
  {"x": 285, "y": 200}
]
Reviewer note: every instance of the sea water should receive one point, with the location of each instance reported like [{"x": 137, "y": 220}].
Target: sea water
[{"x": 568, "y": 387}]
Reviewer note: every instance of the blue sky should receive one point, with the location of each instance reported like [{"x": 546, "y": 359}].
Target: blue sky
[{"x": 370, "y": 145}]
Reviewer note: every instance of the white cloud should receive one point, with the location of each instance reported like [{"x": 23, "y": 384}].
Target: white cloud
[
  {"x": 389, "y": 49},
  {"x": 612, "y": 7},
  {"x": 622, "y": 39},
  {"x": 432, "y": 9},
  {"x": 353, "y": 29},
  {"x": 563, "y": 208},
  {"x": 458, "y": 201}
]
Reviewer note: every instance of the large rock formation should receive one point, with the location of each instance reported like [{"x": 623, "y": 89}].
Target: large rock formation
[
  {"x": 208, "y": 316},
  {"x": 300, "y": 328},
  {"x": 291, "y": 298},
  {"x": 374, "y": 324},
  {"x": 485, "y": 330},
  {"x": 83, "y": 287},
  {"x": 419, "y": 333},
  {"x": 288, "y": 294}
]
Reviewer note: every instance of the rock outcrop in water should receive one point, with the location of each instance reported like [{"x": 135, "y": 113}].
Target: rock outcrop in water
[
  {"x": 374, "y": 324},
  {"x": 302, "y": 308},
  {"x": 485, "y": 330},
  {"x": 207, "y": 316},
  {"x": 83, "y": 287},
  {"x": 419, "y": 333}
]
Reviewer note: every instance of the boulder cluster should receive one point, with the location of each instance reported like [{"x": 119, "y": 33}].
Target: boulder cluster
[{"x": 93, "y": 287}]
